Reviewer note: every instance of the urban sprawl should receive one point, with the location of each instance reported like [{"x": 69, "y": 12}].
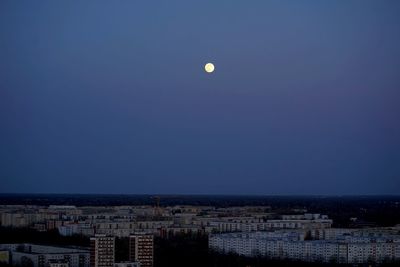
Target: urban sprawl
[{"x": 249, "y": 231}]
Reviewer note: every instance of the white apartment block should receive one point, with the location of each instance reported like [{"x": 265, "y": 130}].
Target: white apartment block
[
  {"x": 291, "y": 245},
  {"x": 111, "y": 228},
  {"x": 44, "y": 256},
  {"x": 305, "y": 221}
]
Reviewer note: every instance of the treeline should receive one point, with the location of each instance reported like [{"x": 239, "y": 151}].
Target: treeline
[{"x": 27, "y": 235}]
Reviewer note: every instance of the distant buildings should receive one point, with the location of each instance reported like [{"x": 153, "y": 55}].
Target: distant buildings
[
  {"x": 344, "y": 246},
  {"x": 121, "y": 221},
  {"x": 102, "y": 251},
  {"x": 46, "y": 256},
  {"x": 240, "y": 224},
  {"x": 245, "y": 230},
  {"x": 141, "y": 249}
]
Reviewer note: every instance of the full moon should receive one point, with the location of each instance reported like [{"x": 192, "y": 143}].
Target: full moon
[{"x": 209, "y": 67}]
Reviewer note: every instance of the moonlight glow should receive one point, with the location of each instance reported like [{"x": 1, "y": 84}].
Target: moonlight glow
[{"x": 209, "y": 67}]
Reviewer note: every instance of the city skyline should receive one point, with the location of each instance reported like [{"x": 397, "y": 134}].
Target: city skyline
[{"x": 133, "y": 235}]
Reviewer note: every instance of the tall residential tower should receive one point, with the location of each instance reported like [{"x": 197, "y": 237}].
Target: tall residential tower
[
  {"x": 141, "y": 249},
  {"x": 102, "y": 250}
]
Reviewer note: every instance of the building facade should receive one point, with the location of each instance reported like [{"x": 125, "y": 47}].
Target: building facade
[
  {"x": 141, "y": 249},
  {"x": 46, "y": 256},
  {"x": 102, "y": 251},
  {"x": 349, "y": 248}
]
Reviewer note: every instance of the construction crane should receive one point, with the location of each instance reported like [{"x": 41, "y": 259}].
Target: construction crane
[{"x": 157, "y": 205}]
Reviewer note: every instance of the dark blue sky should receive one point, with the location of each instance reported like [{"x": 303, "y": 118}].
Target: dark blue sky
[{"x": 111, "y": 97}]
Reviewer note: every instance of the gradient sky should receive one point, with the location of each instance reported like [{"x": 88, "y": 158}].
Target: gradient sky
[{"x": 111, "y": 97}]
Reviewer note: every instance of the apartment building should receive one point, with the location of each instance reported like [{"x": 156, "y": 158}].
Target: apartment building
[
  {"x": 141, "y": 249},
  {"x": 44, "y": 256},
  {"x": 102, "y": 251},
  {"x": 292, "y": 245}
]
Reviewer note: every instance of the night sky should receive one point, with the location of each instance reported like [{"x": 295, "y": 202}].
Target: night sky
[{"x": 112, "y": 97}]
